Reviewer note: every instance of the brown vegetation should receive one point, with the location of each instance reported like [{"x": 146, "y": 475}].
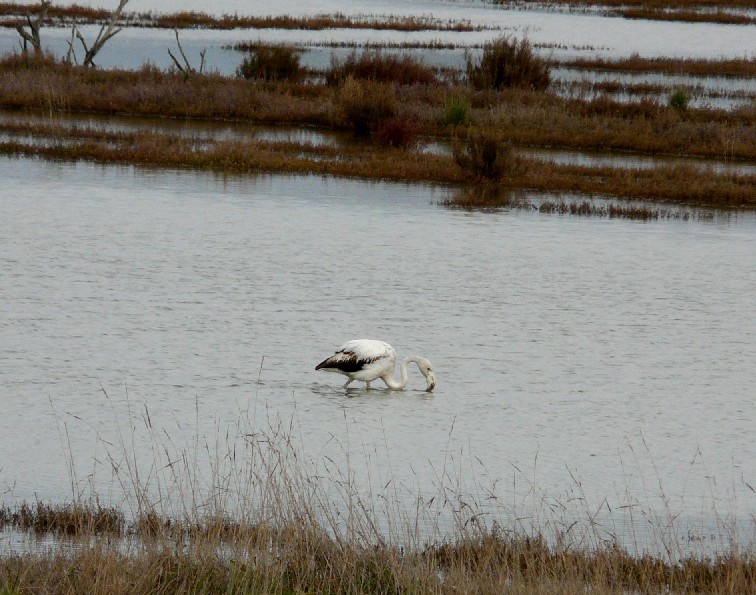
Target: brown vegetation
[
  {"x": 745, "y": 67},
  {"x": 305, "y": 558},
  {"x": 395, "y": 115},
  {"x": 376, "y": 66},
  {"x": 680, "y": 184},
  {"x": 364, "y": 105},
  {"x": 658, "y": 4},
  {"x": 267, "y": 519},
  {"x": 507, "y": 62},
  {"x": 75, "y": 519},
  {"x": 669, "y": 10},
  {"x": 272, "y": 63},
  {"x": 63, "y": 15},
  {"x": 722, "y": 17},
  {"x": 486, "y": 156}
]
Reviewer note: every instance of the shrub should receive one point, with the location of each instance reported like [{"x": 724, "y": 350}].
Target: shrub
[
  {"x": 365, "y": 105},
  {"x": 375, "y": 66},
  {"x": 485, "y": 156},
  {"x": 455, "y": 112},
  {"x": 29, "y": 60},
  {"x": 506, "y": 62},
  {"x": 398, "y": 132},
  {"x": 679, "y": 99},
  {"x": 272, "y": 63}
]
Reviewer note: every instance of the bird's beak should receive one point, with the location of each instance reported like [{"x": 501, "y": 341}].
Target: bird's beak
[{"x": 431, "y": 378}]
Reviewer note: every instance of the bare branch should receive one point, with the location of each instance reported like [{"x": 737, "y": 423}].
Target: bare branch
[
  {"x": 187, "y": 69},
  {"x": 81, "y": 38},
  {"x": 71, "y": 52},
  {"x": 107, "y": 31},
  {"x": 183, "y": 55},
  {"x": 32, "y": 36},
  {"x": 177, "y": 63}
]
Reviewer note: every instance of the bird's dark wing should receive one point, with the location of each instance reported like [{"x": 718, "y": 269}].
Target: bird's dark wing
[
  {"x": 344, "y": 361},
  {"x": 353, "y": 356}
]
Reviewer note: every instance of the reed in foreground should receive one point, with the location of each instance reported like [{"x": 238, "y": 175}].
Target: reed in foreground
[
  {"x": 297, "y": 559},
  {"x": 264, "y": 518}
]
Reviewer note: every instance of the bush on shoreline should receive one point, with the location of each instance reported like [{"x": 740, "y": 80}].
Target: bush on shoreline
[
  {"x": 373, "y": 65},
  {"x": 272, "y": 63},
  {"x": 486, "y": 156},
  {"x": 506, "y": 62}
]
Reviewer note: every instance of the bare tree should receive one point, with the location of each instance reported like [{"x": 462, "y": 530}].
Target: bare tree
[
  {"x": 186, "y": 69},
  {"x": 107, "y": 31},
  {"x": 32, "y": 35}
]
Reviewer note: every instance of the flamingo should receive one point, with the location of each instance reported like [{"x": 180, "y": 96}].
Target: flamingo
[{"x": 368, "y": 360}]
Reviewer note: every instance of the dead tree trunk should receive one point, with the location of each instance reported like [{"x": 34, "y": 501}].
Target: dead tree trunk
[
  {"x": 107, "y": 31},
  {"x": 32, "y": 35}
]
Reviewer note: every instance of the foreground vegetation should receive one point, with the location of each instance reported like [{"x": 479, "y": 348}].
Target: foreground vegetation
[
  {"x": 266, "y": 519},
  {"x": 225, "y": 556}
]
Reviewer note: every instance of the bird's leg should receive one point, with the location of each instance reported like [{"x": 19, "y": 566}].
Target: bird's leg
[
  {"x": 347, "y": 383},
  {"x": 368, "y": 384}
]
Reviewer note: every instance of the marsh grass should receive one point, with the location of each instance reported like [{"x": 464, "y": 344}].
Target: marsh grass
[
  {"x": 395, "y": 116},
  {"x": 486, "y": 156},
  {"x": 245, "y": 509},
  {"x": 678, "y": 184},
  {"x": 375, "y": 65},
  {"x": 679, "y": 99},
  {"x": 63, "y": 519},
  {"x": 524, "y": 117},
  {"x": 722, "y": 17},
  {"x": 456, "y": 112},
  {"x": 365, "y": 105},
  {"x": 508, "y": 62},
  {"x": 64, "y": 15},
  {"x": 667, "y": 10},
  {"x": 272, "y": 63},
  {"x": 744, "y": 67}
]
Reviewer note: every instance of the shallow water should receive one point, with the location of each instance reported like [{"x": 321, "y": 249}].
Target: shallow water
[
  {"x": 582, "y": 364},
  {"x": 593, "y": 34}
]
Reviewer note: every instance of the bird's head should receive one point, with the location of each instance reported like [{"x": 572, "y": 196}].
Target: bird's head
[{"x": 427, "y": 369}]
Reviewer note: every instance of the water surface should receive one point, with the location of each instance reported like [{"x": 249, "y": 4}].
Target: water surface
[{"x": 582, "y": 364}]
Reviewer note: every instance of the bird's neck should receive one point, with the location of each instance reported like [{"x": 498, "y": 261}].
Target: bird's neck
[{"x": 394, "y": 384}]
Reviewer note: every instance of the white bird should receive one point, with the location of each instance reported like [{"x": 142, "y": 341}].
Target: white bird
[{"x": 368, "y": 360}]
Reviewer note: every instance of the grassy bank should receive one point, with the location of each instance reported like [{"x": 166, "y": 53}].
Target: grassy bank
[
  {"x": 218, "y": 557},
  {"x": 263, "y": 517}
]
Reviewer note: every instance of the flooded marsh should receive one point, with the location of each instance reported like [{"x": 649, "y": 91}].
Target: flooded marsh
[{"x": 179, "y": 249}]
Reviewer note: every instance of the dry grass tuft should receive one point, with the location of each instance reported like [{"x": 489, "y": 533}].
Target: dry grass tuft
[
  {"x": 484, "y": 155},
  {"x": 374, "y": 65},
  {"x": 272, "y": 63},
  {"x": 77, "y": 519},
  {"x": 365, "y": 105}
]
